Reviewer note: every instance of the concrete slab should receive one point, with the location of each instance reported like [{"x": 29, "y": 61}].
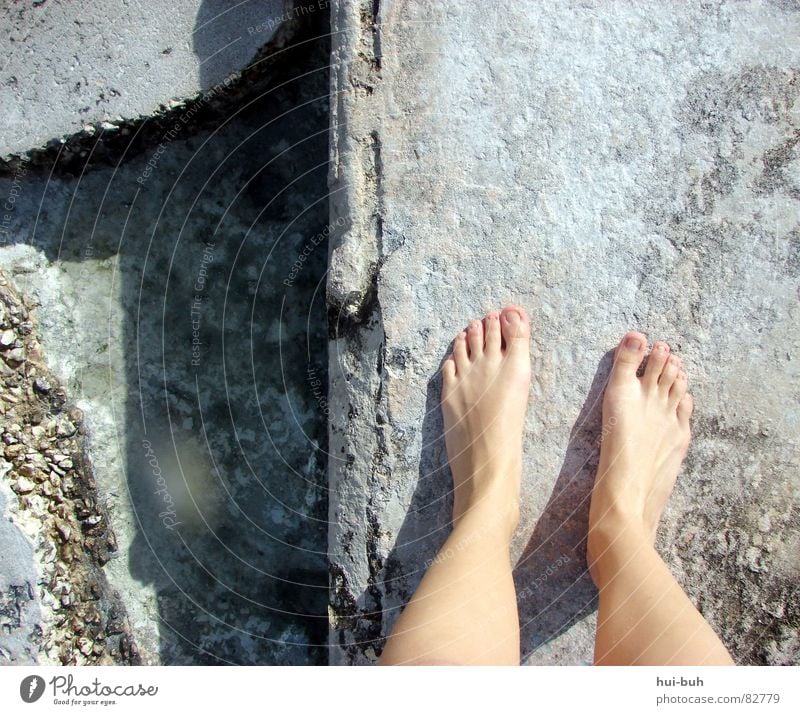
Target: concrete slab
[
  {"x": 608, "y": 166},
  {"x": 68, "y": 65}
]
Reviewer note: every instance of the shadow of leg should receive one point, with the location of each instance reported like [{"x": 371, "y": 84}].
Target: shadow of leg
[{"x": 554, "y": 589}]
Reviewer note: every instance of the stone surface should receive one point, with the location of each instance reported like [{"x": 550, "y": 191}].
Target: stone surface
[
  {"x": 54, "y": 596},
  {"x": 176, "y": 301},
  {"x": 608, "y": 166},
  {"x": 68, "y": 65},
  {"x": 20, "y": 610}
]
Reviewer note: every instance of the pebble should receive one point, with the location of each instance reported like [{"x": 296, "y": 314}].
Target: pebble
[
  {"x": 14, "y": 451},
  {"x": 7, "y": 338},
  {"x": 41, "y": 385},
  {"x": 65, "y": 428},
  {"x": 64, "y": 531},
  {"x": 15, "y": 355},
  {"x": 23, "y": 486}
]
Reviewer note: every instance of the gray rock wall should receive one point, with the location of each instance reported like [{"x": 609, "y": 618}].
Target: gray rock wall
[{"x": 608, "y": 166}]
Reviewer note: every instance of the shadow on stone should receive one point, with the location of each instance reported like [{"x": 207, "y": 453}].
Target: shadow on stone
[
  {"x": 554, "y": 589},
  {"x": 429, "y": 517},
  {"x": 223, "y": 35}
]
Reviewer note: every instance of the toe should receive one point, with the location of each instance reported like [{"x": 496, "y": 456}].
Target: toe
[
  {"x": 491, "y": 329},
  {"x": 475, "y": 339},
  {"x": 460, "y": 353},
  {"x": 685, "y": 409},
  {"x": 628, "y": 356},
  {"x": 669, "y": 373},
  {"x": 449, "y": 371},
  {"x": 516, "y": 329},
  {"x": 678, "y": 389},
  {"x": 655, "y": 363}
]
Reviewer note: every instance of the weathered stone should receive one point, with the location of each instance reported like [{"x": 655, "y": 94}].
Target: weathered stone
[{"x": 607, "y": 166}]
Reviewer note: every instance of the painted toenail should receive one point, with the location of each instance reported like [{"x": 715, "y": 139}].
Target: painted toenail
[{"x": 633, "y": 343}]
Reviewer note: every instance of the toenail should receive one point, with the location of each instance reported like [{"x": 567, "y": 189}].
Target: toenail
[
  {"x": 512, "y": 316},
  {"x": 633, "y": 342}
]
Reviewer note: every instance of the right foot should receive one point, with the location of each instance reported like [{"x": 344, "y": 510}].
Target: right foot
[
  {"x": 644, "y": 441},
  {"x": 485, "y": 385}
]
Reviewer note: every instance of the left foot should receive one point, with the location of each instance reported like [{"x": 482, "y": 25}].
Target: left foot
[{"x": 485, "y": 384}]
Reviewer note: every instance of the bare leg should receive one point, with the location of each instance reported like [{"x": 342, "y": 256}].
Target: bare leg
[
  {"x": 465, "y": 609},
  {"x": 644, "y": 618}
]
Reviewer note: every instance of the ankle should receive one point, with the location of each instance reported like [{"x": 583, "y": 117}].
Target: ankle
[
  {"x": 612, "y": 544},
  {"x": 493, "y": 514}
]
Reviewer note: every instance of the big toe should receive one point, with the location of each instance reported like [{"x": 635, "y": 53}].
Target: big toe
[
  {"x": 628, "y": 356},
  {"x": 516, "y": 329}
]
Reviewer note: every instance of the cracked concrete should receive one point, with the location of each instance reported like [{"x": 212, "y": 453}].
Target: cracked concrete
[{"x": 608, "y": 166}]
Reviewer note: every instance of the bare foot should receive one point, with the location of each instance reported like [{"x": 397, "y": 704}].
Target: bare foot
[
  {"x": 644, "y": 441},
  {"x": 485, "y": 384}
]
